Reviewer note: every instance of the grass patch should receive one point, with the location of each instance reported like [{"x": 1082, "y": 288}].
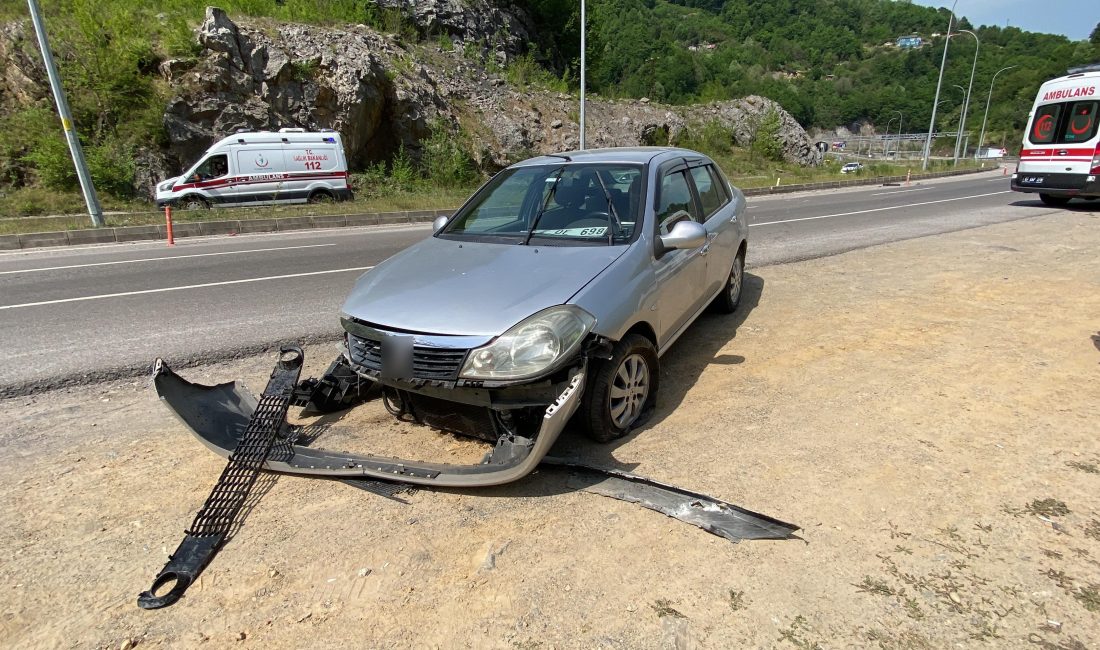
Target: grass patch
[
  {"x": 1092, "y": 529},
  {"x": 1089, "y": 597},
  {"x": 664, "y": 608},
  {"x": 1088, "y": 468},
  {"x": 737, "y": 600}
]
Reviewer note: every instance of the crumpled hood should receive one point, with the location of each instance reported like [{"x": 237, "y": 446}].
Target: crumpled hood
[{"x": 442, "y": 286}]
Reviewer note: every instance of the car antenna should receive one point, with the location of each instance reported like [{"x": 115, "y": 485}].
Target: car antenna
[
  {"x": 559, "y": 155},
  {"x": 545, "y": 202},
  {"x": 612, "y": 213}
]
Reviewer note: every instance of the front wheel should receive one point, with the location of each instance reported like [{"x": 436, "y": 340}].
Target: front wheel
[
  {"x": 193, "y": 203},
  {"x": 727, "y": 301},
  {"x": 1056, "y": 201},
  {"x": 620, "y": 389}
]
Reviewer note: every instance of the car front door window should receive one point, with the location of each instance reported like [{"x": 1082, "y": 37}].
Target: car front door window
[{"x": 674, "y": 202}]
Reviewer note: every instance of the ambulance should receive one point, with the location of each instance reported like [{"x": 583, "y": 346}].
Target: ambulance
[
  {"x": 287, "y": 166},
  {"x": 1060, "y": 159}
]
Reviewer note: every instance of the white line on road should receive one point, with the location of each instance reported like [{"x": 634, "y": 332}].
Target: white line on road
[
  {"x": 188, "y": 286},
  {"x": 1001, "y": 179},
  {"x": 915, "y": 189},
  {"x": 892, "y": 207},
  {"x": 159, "y": 259}
]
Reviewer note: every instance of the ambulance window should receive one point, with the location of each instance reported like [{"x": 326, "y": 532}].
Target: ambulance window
[
  {"x": 1081, "y": 125},
  {"x": 213, "y": 167},
  {"x": 1043, "y": 127}
]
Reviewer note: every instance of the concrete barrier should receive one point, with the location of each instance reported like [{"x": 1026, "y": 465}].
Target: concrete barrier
[
  {"x": 186, "y": 229},
  {"x": 218, "y": 227},
  {"x": 294, "y": 223},
  {"x": 393, "y": 217},
  {"x": 9, "y": 243},
  {"x": 39, "y": 239},
  {"x": 361, "y": 220},
  {"x": 91, "y": 236},
  {"x": 329, "y": 221},
  {"x": 258, "y": 225},
  {"x": 138, "y": 233}
]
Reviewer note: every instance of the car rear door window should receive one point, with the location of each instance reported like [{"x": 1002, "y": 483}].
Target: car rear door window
[
  {"x": 710, "y": 195},
  {"x": 1044, "y": 126},
  {"x": 1081, "y": 122},
  {"x": 674, "y": 199}
]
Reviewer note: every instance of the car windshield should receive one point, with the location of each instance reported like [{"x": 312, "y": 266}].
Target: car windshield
[{"x": 559, "y": 204}]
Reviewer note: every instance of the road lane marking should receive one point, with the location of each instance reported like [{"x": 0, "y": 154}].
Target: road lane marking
[
  {"x": 999, "y": 179},
  {"x": 158, "y": 259},
  {"x": 181, "y": 288},
  {"x": 915, "y": 189},
  {"x": 892, "y": 207}
]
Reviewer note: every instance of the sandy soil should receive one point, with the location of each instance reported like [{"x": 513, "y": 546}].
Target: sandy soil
[{"x": 912, "y": 406}]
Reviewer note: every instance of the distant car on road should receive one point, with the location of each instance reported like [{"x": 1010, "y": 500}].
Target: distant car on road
[{"x": 851, "y": 168}]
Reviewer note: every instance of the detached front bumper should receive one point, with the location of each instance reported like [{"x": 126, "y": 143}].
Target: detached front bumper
[{"x": 218, "y": 415}]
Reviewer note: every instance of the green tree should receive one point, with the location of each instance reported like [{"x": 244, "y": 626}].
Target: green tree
[{"x": 765, "y": 140}]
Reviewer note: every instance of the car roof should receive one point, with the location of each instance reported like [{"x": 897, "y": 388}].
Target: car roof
[{"x": 635, "y": 155}]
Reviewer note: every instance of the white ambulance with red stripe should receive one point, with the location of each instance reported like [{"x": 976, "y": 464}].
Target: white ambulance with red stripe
[
  {"x": 1060, "y": 159},
  {"x": 288, "y": 166}
]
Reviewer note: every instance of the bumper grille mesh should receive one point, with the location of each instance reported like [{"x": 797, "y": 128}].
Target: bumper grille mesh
[{"x": 440, "y": 364}]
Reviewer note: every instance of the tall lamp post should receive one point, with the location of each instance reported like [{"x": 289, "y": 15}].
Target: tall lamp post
[
  {"x": 958, "y": 134},
  {"x": 582, "y": 74},
  {"x": 939, "y": 82},
  {"x": 966, "y": 104},
  {"x": 86, "y": 185},
  {"x": 901, "y": 119},
  {"x": 886, "y": 141},
  {"x": 981, "y": 138}
]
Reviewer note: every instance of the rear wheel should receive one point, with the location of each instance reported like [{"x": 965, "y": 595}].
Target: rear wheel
[
  {"x": 620, "y": 389},
  {"x": 321, "y": 196},
  {"x": 1050, "y": 199}
]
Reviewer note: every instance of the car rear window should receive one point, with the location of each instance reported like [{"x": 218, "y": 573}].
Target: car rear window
[
  {"x": 1044, "y": 127},
  {"x": 1080, "y": 122}
]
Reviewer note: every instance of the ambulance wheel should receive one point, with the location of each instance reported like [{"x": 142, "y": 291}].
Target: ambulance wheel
[
  {"x": 193, "y": 203},
  {"x": 321, "y": 196},
  {"x": 1056, "y": 201}
]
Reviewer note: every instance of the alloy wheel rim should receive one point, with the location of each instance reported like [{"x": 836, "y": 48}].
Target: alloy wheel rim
[
  {"x": 735, "y": 280},
  {"x": 629, "y": 390}
]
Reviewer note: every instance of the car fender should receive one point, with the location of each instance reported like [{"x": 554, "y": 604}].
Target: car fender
[{"x": 622, "y": 294}]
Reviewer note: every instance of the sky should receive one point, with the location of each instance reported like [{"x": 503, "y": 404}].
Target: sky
[{"x": 1072, "y": 18}]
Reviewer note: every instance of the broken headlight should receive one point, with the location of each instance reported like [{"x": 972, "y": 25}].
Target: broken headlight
[{"x": 531, "y": 347}]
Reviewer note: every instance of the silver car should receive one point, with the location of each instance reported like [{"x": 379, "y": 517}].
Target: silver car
[{"x": 551, "y": 294}]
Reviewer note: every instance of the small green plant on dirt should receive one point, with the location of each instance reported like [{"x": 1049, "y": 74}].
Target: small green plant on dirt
[
  {"x": 737, "y": 600},
  {"x": 1041, "y": 507},
  {"x": 794, "y": 635},
  {"x": 1089, "y": 597},
  {"x": 1088, "y": 468},
  {"x": 664, "y": 608},
  {"x": 873, "y": 586}
]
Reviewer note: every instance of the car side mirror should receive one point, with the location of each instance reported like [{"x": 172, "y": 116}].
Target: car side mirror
[
  {"x": 684, "y": 235},
  {"x": 439, "y": 222}
]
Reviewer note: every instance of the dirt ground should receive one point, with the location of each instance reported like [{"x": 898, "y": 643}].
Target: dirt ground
[{"x": 927, "y": 411}]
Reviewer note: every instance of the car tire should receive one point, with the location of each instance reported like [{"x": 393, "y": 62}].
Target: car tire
[
  {"x": 1055, "y": 201},
  {"x": 193, "y": 202},
  {"x": 727, "y": 301},
  {"x": 620, "y": 389},
  {"x": 321, "y": 196}
]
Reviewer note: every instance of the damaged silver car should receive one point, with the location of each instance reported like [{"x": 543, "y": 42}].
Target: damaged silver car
[{"x": 551, "y": 293}]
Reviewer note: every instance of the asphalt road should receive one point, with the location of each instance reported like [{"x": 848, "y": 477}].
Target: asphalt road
[{"x": 72, "y": 315}]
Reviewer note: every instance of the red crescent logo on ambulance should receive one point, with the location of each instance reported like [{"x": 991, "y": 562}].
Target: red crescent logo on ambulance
[
  {"x": 261, "y": 161},
  {"x": 1043, "y": 126}
]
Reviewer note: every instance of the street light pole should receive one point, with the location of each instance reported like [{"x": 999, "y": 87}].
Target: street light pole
[
  {"x": 71, "y": 137},
  {"x": 981, "y": 138},
  {"x": 966, "y": 104},
  {"x": 582, "y": 73},
  {"x": 958, "y": 134},
  {"x": 886, "y": 141},
  {"x": 939, "y": 82},
  {"x": 901, "y": 119}
]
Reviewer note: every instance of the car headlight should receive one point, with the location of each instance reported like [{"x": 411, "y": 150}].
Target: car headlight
[{"x": 531, "y": 347}]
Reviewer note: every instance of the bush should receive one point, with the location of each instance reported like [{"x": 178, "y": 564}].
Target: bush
[
  {"x": 446, "y": 162},
  {"x": 112, "y": 169},
  {"x": 53, "y": 164}
]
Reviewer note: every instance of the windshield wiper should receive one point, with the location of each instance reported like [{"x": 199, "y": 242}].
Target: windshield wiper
[
  {"x": 545, "y": 202},
  {"x": 612, "y": 214}
]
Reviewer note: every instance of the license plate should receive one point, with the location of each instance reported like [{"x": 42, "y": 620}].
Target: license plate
[
  {"x": 397, "y": 357},
  {"x": 1031, "y": 180}
]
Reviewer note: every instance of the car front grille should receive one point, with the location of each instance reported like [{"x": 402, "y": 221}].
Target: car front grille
[{"x": 440, "y": 364}]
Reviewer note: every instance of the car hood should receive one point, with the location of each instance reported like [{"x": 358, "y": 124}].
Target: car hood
[{"x": 444, "y": 286}]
